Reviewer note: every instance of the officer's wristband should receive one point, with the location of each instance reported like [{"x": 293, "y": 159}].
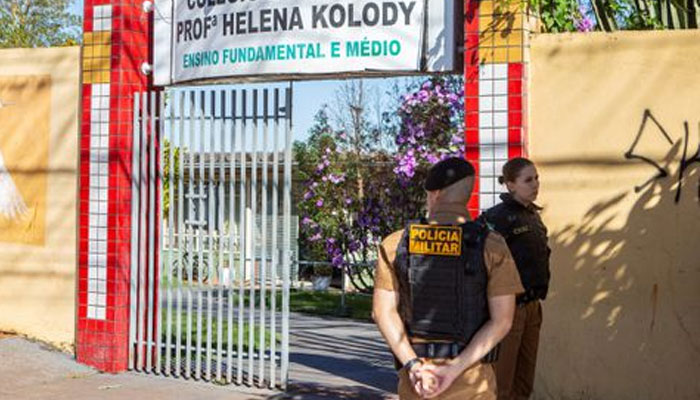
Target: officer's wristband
[{"x": 410, "y": 363}]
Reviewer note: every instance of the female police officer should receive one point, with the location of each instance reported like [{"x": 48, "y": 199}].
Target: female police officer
[
  {"x": 517, "y": 219},
  {"x": 444, "y": 294}
]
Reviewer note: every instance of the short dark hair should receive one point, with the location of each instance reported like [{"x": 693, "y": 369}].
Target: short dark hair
[{"x": 511, "y": 169}]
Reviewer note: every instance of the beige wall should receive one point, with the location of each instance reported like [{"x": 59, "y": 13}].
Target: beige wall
[
  {"x": 39, "y": 89},
  {"x": 623, "y": 319}
]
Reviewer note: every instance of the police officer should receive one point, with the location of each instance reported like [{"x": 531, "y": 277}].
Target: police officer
[
  {"x": 444, "y": 293},
  {"x": 517, "y": 219}
]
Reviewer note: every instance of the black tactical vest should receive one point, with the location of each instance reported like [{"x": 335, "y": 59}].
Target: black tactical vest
[
  {"x": 442, "y": 280},
  {"x": 526, "y": 237}
]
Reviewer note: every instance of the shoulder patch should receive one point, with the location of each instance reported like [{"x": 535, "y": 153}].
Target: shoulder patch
[{"x": 437, "y": 240}]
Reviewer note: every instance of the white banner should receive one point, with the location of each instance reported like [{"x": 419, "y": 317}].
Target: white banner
[{"x": 226, "y": 38}]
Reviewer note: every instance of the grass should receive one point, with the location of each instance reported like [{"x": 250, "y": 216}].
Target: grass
[
  {"x": 214, "y": 333},
  {"x": 325, "y": 303},
  {"x": 358, "y": 306}
]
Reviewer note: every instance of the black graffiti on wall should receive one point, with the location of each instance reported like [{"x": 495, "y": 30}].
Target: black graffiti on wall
[{"x": 662, "y": 171}]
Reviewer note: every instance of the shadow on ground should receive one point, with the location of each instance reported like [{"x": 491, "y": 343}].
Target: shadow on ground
[
  {"x": 339, "y": 357},
  {"x": 311, "y": 391}
]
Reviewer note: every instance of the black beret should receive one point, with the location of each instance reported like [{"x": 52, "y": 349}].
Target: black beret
[{"x": 447, "y": 172}]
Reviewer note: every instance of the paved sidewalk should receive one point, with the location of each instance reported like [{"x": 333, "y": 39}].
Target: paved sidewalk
[
  {"x": 344, "y": 359},
  {"x": 330, "y": 359},
  {"x": 30, "y": 371}
]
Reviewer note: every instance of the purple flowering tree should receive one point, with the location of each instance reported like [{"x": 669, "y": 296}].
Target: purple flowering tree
[
  {"x": 431, "y": 129},
  {"x": 354, "y": 192}
]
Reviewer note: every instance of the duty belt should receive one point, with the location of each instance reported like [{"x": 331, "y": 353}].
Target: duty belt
[
  {"x": 448, "y": 350},
  {"x": 438, "y": 349}
]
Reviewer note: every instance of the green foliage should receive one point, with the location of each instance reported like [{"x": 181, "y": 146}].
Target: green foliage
[
  {"x": 328, "y": 303},
  {"x": 356, "y": 189},
  {"x": 557, "y": 15},
  {"x": 344, "y": 170},
  {"x": 612, "y": 15},
  {"x": 167, "y": 148},
  {"x": 38, "y": 23}
]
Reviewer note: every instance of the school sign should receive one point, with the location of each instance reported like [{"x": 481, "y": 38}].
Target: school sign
[{"x": 205, "y": 39}]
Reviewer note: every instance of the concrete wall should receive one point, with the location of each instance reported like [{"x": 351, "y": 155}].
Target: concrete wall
[
  {"x": 39, "y": 90},
  {"x": 623, "y": 319}
]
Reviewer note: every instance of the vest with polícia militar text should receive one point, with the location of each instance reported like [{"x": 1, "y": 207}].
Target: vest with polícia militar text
[{"x": 442, "y": 280}]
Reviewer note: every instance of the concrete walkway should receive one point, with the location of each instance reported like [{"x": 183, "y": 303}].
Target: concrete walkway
[
  {"x": 331, "y": 359},
  {"x": 339, "y": 359}
]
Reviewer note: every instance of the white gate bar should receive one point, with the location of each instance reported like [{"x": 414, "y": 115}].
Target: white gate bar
[
  {"x": 142, "y": 232},
  {"x": 242, "y": 227},
  {"x": 135, "y": 181},
  {"x": 210, "y": 119},
  {"x": 232, "y": 224},
  {"x": 287, "y": 234},
  {"x": 254, "y": 255},
  {"x": 200, "y": 237},
  {"x": 263, "y": 242},
  {"x": 160, "y": 223},
  {"x": 181, "y": 232},
  {"x": 275, "y": 250},
  {"x": 220, "y": 230},
  {"x": 151, "y": 229},
  {"x": 189, "y": 264},
  {"x": 171, "y": 234}
]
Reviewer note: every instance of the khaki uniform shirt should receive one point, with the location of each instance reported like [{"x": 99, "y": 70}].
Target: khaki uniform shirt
[{"x": 477, "y": 382}]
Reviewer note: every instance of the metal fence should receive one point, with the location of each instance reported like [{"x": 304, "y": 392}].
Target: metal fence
[{"x": 211, "y": 244}]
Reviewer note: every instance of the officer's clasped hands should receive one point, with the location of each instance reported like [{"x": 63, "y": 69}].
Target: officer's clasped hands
[
  {"x": 437, "y": 378},
  {"x": 423, "y": 381},
  {"x": 429, "y": 380}
]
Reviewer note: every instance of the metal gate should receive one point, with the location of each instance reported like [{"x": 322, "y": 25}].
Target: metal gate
[{"x": 211, "y": 218}]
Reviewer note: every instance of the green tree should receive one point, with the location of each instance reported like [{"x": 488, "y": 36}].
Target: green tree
[
  {"x": 167, "y": 148},
  {"x": 38, "y": 23},
  {"x": 356, "y": 188}
]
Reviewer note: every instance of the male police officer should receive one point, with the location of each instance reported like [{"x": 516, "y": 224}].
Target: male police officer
[{"x": 445, "y": 294}]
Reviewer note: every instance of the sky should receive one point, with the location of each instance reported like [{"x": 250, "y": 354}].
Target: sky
[{"x": 308, "y": 96}]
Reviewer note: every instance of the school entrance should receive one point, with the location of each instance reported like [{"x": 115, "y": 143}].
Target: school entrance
[{"x": 185, "y": 216}]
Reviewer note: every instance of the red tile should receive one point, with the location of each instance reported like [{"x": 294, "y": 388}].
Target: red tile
[
  {"x": 471, "y": 120},
  {"x": 83, "y": 262},
  {"x": 122, "y": 235},
  {"x": 514, "y": 135},
  {"x": 515, "y": 150},
  {"x": 515, "y": 87},
  {"x": 471, "y": 57},
  {"x": 471, "y": 104},
  {"x": 123, "y": 220},
  {"x": 515, "y": 71},
  {"x": 471, "y": 41},
  {"x": 471, "y": 20},
  {"x": 515, "y": 103},
  {"x": 472, "y": 154},
  {"x": 472, "y": 136},
  {"x": 515, "y": 119},
  {"x": 471, "y": 89},
  {"x": 87, "y": 11},
  {"x": 471, "y": 79},
  {"x": 473, "y": 202}
]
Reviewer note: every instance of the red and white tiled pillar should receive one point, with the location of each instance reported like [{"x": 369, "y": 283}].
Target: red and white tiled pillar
[
  {"x": 496, "y": 58},
  {"x": 115, "y": 43}
]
